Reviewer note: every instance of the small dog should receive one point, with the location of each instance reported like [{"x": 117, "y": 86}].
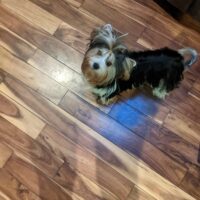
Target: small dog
[{"x": 110, "y": 68}]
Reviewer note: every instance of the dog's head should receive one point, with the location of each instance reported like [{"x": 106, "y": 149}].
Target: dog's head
[{"x": 103, "y": 60}]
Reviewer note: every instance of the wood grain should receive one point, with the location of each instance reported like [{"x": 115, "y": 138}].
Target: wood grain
[
  {"x": 84, "y": 162},
  {"x": 5, "y": 154},
  {"x": 110, "y": 15},
  {"x": 132, "y": 9},
  {"x": 67, "y": 13},
  {"x": 33, "y": 14},
  {"x": 20, "y": 117},
  {"x": 65, "y": 76},
  {"x": 32, "y": 150},
  {"x": 12, "y": 189},
  {"x": 37, "y": 182},
  {"x": 15, "y": 44},
  {"x": 72, "y": 37},
  {"x": 138, "y": 194},
  {"x": 31, "y": 76},
  {"x": 75, "y": 3},
  {"x": 184, "y": 127},
  {"x": 131, "y": 167},
  {"x": 41, "y": 39},
  {"x": 123, "y": 137}
]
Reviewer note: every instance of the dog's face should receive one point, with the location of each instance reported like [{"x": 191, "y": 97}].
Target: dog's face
[{"x": 99, "y": 63}]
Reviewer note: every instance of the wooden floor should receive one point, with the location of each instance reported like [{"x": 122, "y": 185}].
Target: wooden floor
[{"x": 56, "y": 143}]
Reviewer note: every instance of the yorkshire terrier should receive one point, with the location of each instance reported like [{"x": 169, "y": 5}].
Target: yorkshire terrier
[{"x": 110, "y": 68}]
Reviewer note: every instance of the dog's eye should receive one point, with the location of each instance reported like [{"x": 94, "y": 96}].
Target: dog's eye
[
  {"x": 108, "y": 63},
  {"x": 99, "y": 53}
]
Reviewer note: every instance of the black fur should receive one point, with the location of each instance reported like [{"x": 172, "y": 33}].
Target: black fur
[{"x": 152, "y": 66}]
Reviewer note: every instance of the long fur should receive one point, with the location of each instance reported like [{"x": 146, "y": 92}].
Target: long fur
[{"x": 161, "y": 69}]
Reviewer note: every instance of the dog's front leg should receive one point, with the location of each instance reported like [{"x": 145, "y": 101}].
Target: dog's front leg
[{"x": 106, "y": 101}]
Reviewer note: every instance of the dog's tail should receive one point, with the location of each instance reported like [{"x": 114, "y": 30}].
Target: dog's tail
[{"x": 192, "y": 53}]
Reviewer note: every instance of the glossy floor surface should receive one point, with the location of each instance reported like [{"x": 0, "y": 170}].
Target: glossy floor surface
[{"x": 56, "y": 143}]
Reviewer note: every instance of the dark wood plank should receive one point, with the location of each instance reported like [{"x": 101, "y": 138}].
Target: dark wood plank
[
  {"x": 80, "y": 185},
  {"x": 36, "y": 182},
  {"x": 79, "y": 160},
  {"x": 191, "y": 184},
  {"x": 29, "y": 148},
  {"x": 132, "y": 9},
  {"x": 110, "y": 15},
  {"x": 168, "y": 142},
  {"x": 184, "y": 127},
  {"x": 41, "y": 39},
  {"x": 72, "y": 37},
  {"x": 74, "y": 17},
  {"x": 15, "y": 44},
  {"x": 11, "y": 188},
  {"x": 31, "y": 76},
  {"x": 5, "y": 154},
  {"x": 123, "y": 137},
  {"x": 153, "y": 40},
  {"x": 75, "y": 3},
  {"x": 131, "y": 167}
]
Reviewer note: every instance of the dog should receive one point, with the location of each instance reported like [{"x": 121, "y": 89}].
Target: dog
[{"x": 110, "y": 68}]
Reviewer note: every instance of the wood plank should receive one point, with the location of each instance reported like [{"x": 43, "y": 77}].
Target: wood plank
[
  {"x": 31, "y": 76},
  {"x": 20, "y": 117},
  {"x": 138, "y": 194},
  {"x": 5, "y": 154},
  {"x": 167, "y": 141},
  {"x": 153, "y": 40},
  {"x": 67, "y": 13},
  {"x": 79, "y": 160},
  {"x": 165, "y": 26},
  {"x": 82, "y": 186},
  {"x": 33, "y": 14},
  {"x": 110, "y": 15},
  {"x": 124, "y": 138},
  {"x": 72, "y": 37},
  {"x": 129, "y": 166},
  {"x": 36, "y": 153},
  {"x": 132, "y": 9},
  {"x": 65, "y": 76},
  {"x": 75, "y": 3},
  {"x": 15, "y": 44},
  {"x": 42, "y": 39},
  {"x": 191, "y": 184},
  {"x": 37, "y": 182},
  {"x": 12, "y": 189},
  {"x": 146, "y": 104},
  {"x": 184, "y": 127}
]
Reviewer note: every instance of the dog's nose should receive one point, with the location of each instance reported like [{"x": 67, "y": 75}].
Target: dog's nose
[{"x": 96, "y": 66}]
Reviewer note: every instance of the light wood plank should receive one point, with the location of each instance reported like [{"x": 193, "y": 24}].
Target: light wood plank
[
  {"x": 15, "y": 44},
  {"x": 12, "y": 189},
  {"x": 129, "y": 166},
  {"x": 65, "y": 76},
  {"x": 34, "y": 14},
  {"x": 42, "y": 39},
  {"x": 20, "y": 117},
  {"x": 31, "y": 76},
  {"x": 72, "y": 16},
  {"x": 37, "y": 182},
  {"x": 34, "y": 152},
  {"x": 5, "y": 154},
  {"x": 138, "y": 194},
  {"x": 83, "y": 161},
  {"x": 184, "y": 127}
]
